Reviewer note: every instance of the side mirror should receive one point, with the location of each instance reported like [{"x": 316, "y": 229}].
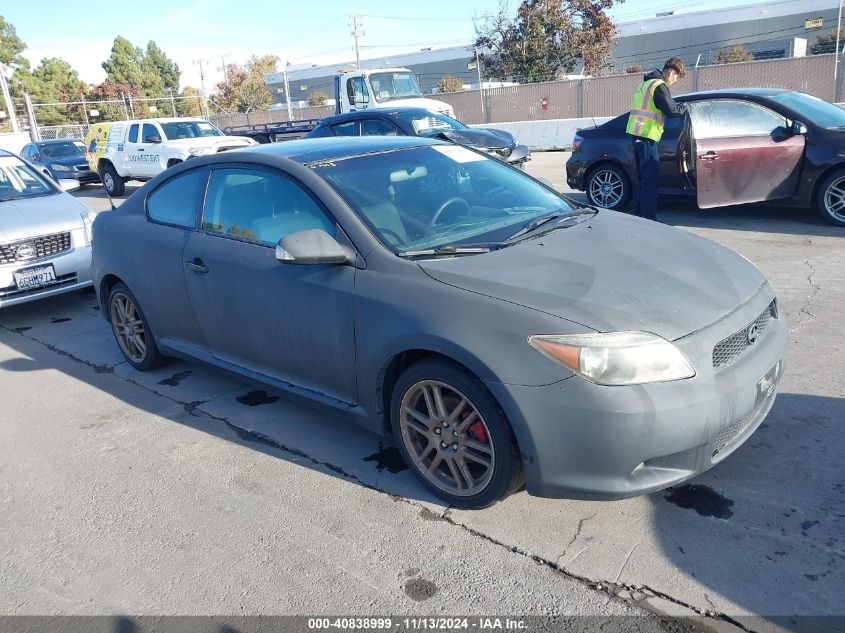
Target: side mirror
[
  {"x": 152, "y": 138},
  {"x": 313, "y": 246},
  {"x": 798, "y": 128},
  {"x": 37, "y": 158}
]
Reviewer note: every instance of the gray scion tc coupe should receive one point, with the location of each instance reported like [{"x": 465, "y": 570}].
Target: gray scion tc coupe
[{"x": 499, "y": 333}]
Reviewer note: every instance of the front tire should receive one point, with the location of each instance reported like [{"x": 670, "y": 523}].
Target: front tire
[
  {"x": 608, "y": 187},
  {"x": 132, "y": 331},
  {"x": 830, "y": 202},
  {"x": 454, "y": 436},
  {"x": 115, "y": 185}
]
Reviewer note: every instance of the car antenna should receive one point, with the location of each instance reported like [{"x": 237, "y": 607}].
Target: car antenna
[
  {"x": 594, "y": 122},
  {"x": 106, "y": 189}
]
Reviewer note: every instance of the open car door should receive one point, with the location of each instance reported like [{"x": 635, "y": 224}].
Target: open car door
[{"x": 744, "y": 152}]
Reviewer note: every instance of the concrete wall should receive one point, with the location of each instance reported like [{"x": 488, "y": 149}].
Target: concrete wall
[
  {"x": 547, "y": 135},
  {"x": 14, "y": 142}
]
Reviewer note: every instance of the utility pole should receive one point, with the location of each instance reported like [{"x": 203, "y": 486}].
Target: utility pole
[
  {"x": 287, "y": 93},
  {"x": 172, "y": 101},
  {"x": 357, "y": 32},
  {"x": 480, "y": 84},
  {"x": 33, "y": 123},
  {"x": 836, "y": 62},
  {"x": 200, "y": 63},
  {"x": 223, "y": 64}
]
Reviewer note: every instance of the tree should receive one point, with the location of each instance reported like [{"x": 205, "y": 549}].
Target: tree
[
  {"x": 546, "y": 39},
  {"x": 11, "y": 46},
  {"x": 244, "y": 89},
  {"x": 317, "y": 98},
  {"x": 159, "y": 63},
  {"x": 127, "y": 65},
  {"x": 110, "y": 90},
  {"x": 191, "y": 102},
  {"x": 826, "y": 43},
  {"x": 450, "y": 84},
  {"x": 733, "y": 55},
  {"x": 53, "y": 80}
]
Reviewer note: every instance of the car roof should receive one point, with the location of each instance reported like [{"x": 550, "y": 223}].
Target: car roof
[
  {"x": 309, "y": 150},
  {"x": 734, "y": 92},
  {"x": 56, "y": 140},
  {"x": 345, "y": 116}
]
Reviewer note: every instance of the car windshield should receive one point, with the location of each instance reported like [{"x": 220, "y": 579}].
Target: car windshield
[
  {"x": 18, "y": 180},
  {"x": 815, "y": 110},
  {"x": 438, "y": 196},
  {"x": 397, "y": 85},
  {"x": 429, "y": 123},
  {"x": 63, "y": 150},
  {"x": 188, "y": 129}
]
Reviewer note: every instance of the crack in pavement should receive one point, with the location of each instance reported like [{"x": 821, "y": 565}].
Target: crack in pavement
[
  {"x": 100, "y": 369},
  {"x": 808, "y": 300},
  {"x": 634, "y": 595},
  {"x": 625, "y": 563},
  {"x": 577, "y": 534}
]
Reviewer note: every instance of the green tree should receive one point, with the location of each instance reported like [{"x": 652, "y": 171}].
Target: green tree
[
  {"x": 159, "y": 63},
  {"x": 243, "y": 89},
  {"x": 127, "y": 65},
  {"x": 450, "y": 84},
  {"x": 546, "y": 39},
  {"x": 11, "y": 46},
  {"x": 826, "y": 43},
  {"x": 317, "y": 98},
  {"x": 733, "y": 55},
  {"x": 53, "y": 80},
  {"x": 191, "y": 102}
]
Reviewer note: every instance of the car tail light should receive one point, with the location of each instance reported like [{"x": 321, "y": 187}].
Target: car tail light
[{"x": 576, "y": 143}]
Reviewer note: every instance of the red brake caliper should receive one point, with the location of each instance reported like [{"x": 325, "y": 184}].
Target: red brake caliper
[{"x": 477, "y": 431}]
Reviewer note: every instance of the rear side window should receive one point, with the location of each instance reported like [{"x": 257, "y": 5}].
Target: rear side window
[
  {"x": 378, "y": 127},
  {"x": 175, "y": 202},
  {"x": 133, "y": 133},
  {"x": 348, "y": 128}
]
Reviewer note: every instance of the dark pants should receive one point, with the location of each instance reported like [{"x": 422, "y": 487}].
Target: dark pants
[{"x": 648, "y": 169}]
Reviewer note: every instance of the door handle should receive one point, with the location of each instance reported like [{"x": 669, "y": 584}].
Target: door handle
[
  {"x": 141, "y": 149},
  {"x": 711, "y": 155},
  {"x": 196, "y": 265}
]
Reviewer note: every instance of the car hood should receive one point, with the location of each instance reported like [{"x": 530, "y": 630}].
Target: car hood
[
  {"x": 612, "y": 272},
  {"x": 485, "y": 138},
  {"x": 69, "y": 161},
  {"x": 211, "y": 141},
  {"x": 41, "y": 215}
]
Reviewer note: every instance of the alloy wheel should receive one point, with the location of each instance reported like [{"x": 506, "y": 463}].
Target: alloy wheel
[
  {"x": 447, "y": 438},
  {"x": 128, "y": 327},
  {"x": 606, "y": 189},
  {"x": 834, "y": 199},
  {"x": 108, "y": 181}
]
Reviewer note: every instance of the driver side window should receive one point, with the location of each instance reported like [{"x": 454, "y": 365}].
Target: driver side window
[{"x": 726, "y": 118}]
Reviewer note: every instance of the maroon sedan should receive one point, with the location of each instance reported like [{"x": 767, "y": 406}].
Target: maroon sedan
[{"x": 734, "y": 147}]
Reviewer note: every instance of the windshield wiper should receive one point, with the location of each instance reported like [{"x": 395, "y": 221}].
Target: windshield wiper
[
  {"x": 536, "y": 223},
  {"x": 451, "y": 249}
]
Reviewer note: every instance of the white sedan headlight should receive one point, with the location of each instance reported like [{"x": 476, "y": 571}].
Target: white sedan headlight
[
  {"x": 616, "y": 358},
  {"x": 88, "y": 217},
  {"x": 62, "y": 168}
]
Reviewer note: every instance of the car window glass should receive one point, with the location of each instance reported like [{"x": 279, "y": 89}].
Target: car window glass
[
  {"x": 133, "y": 133},
  {"x": 19, "y": 180},
  {"x": 27, "y": 152},
  {"x": 175, "y": 202},
  {"x": 344, "y": 129},
  {"x": 149, "y": 130},
  {"x": 730, "y": 118},
  {"x": 378, "y": 127},
  {"x": 259, "y": 206}
]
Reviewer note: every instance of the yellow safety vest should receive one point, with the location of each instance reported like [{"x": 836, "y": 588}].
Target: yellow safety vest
[{"x": 646, "y": 120}]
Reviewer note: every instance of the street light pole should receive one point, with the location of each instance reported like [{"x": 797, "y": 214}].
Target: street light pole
[
  {"x": 836, "y": 52},
  {"x": 480, "y": 84}
]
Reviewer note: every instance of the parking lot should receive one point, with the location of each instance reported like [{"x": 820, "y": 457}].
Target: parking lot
[{"x": 189, "y": 491}]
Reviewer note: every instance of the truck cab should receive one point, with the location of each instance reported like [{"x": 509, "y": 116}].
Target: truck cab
[{"x": 382, "y": 88}]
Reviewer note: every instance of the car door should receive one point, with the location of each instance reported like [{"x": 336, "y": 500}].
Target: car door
[
  {"x": 744, "y": 152},
  {"x": 293, "y": 323},
  {"x": 144, "y": 154},
  {"x": 669, "y": 149}
]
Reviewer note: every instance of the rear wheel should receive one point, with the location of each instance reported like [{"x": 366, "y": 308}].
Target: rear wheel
[
  {"x": 131, "y": 330},
  {"x": 454, "y": 436},
  {"x": 608, "y": 187},
  {"x": 831, "y": 198},
  {"x": 112, "y": 181}
]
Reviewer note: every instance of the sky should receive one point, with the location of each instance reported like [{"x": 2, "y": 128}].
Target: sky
[{"x": 299, "y": 32}]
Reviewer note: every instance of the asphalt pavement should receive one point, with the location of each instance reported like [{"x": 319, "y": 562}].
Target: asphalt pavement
[{"x": 191, "y": 491}]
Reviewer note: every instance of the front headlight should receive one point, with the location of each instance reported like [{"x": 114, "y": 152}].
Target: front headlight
[
  {"x": 200, "y": 151},
  {"x": 616, "y": 358},
  {"x": 61, "y": 168},
  {"x": 88, "y": 217}
]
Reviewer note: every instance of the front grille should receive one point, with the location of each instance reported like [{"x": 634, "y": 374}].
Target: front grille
[
  {"x": 726, "y": 436},
  {"x": 43, "y": 246},
  {"x": 729, "y": 350},
  {"x": 12, "y": 292}
]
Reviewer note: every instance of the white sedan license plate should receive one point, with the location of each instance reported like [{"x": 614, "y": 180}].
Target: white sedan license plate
[{"x": 36, "y": 277}]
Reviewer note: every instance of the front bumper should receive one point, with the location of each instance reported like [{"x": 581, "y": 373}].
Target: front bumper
[
  {"x": 585, "y": 441},
  {"x": 73, "y": 272},
  {"x": 576, "y": 171},
  {"x": 84, "y": 177}
]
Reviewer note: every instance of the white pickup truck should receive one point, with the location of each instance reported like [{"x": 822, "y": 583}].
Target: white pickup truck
[{"x": 139, "y": 150}]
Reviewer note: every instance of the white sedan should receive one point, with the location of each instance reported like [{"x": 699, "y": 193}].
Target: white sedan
[{"x": 45, "y": 235}]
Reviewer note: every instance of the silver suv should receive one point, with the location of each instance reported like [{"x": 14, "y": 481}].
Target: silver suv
[{"x": 45, "y": 235}]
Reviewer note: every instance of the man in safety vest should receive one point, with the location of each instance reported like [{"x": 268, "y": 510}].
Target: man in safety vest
[{"x": 651, "y": 105}]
